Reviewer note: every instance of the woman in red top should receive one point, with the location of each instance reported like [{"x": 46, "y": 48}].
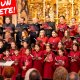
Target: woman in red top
[
  {"x": 54, "y": 40},
  {"x": 74, "y": 58},
  {"x": 42, "y": 39},
  {"x": 26, "y": 62},
  {"x": 61, "y": 60},
  {"x": 73, "y": 27},
  {"x": 13, "y": 47},
  {"x": 38, "y": 58},
  {"x": 48, "y": 63}
]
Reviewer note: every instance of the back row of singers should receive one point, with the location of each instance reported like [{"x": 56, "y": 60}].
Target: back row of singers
[{"x": 34, "y": 29}]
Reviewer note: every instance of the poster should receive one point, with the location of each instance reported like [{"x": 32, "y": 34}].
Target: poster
[{"x": 7, "y": 7}]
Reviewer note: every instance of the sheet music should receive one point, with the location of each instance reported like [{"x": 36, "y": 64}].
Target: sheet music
[{"x": 7, "y": 63}]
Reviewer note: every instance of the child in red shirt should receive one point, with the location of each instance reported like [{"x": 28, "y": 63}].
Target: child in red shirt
[
  {"x": 13, "y": 47},
  {"x": 74, "y": 58},
  {"x": 54, "y": 40},
  {"x": 61, "y": 60},
  {"x": 38, "y": 58},
  {"x": 26, "y": 62},
  {"x": 25, "y": 46},
  {"x": 48, "y": 63},
  {"x": 16, "y": 58}
]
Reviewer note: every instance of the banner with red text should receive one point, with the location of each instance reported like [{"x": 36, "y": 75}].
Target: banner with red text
[{"x": 7, "y": 7}]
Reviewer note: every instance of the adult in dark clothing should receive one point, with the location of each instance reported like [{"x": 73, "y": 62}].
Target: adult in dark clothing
[
  {"x": 77, "y": 36},
  {"x": 8, "y": 26},
  {"x": 51, "y": 23},
  {"x": 19, "y": 28},
  {"x": 34, "y": 30},
  {"x": 1, "y": 29},
  {"x": 49, "y": 26},
  {"x": 2, "y": 47}
]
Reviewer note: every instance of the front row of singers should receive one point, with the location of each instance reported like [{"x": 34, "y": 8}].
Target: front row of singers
[{"x": 45, "y": 61}]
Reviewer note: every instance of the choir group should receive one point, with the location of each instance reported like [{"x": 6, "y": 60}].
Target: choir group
[{"x": 40, "y": 46}]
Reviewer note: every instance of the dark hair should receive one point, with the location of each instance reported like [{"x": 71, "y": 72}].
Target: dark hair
[
  {"x": 14, "y": 42},
  {"x": 62, "y": 17},
  {"x": 34, "y": 75},
  {"x": 23, "y": 18},
  {"x": 17, "y": 48},
  {"x": 1, "y": 77},
  {"x": 62, "y": 49},
  {"x": 38, "y": 44},
  {"x": 1, "y": 40},
  {"x": 74, "y": 18},
  {"x": 50, "y": 45},
  {"x": 61, "y": 43},
  {"x": 75, "y": 76},
  {"x": 76, "y": 44},
  {"x": 7, "y": 17}
]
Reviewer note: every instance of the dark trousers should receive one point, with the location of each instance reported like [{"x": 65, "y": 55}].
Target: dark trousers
[
  {"x": 48, "y": 32},
  {"x": 47, "y": 79},
  {"x": 33, "y": 36}
]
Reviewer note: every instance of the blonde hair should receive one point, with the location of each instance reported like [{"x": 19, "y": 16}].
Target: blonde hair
[{"x": 60, "y": 73}]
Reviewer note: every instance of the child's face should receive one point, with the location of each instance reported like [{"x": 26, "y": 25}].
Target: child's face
[
  {"x": 62, "y": 20},
  {"x": 1, "y": 44},
  {"x": 74, "y": 41},
  {"x": 54, "y": 34},
  {"x": 16, "y": 52},
  {"x": 74, "y": 47},
  {"x": 42, "y": 33},
  {"x": 66, "y": 33},
  {"x": 73, "y": 21},
  {"x": 27, "y": 51},
  {"x": 60, "y": 52},
  {"x": 1, "y": 37},
  {"x": 25, "y": 44},
  {"x": 7, "y": 53},
  {"x": 13, "y": 45},
  {"x": 37, "y": 48},
  {"x": 7, "y": 20},
  {"x": 59, "y": 45},
  {"x": 48, "y": 49},
  {"x": 7, "y": 35}
]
